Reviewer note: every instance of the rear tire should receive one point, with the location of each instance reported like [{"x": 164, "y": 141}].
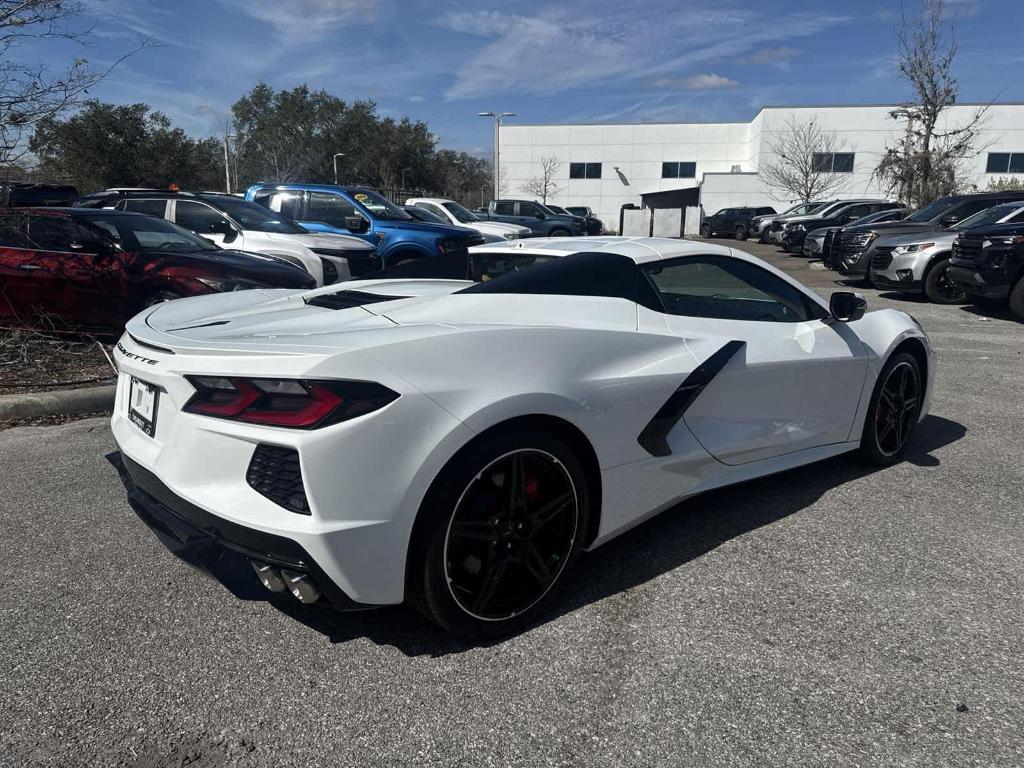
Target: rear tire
[
  {"x": 705, "y": 230},
  {"x": 938, "y": 288},
  {"x": 1017, "y": 299},
  {"x": 893, "y": 411},
  {"x": 741, "y": 233},
  {"x": 485, "y": 559}
]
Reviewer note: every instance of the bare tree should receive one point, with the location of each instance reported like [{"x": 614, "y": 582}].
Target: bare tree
[
  {"x": 544, "y": 185},
  {"x": 802, "y": 166},
  {"x": 29, "y": 92},
  {"x": 927, "y": 163}
]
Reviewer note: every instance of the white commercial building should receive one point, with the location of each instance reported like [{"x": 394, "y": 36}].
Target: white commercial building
[{"x": 606, "y": 166}]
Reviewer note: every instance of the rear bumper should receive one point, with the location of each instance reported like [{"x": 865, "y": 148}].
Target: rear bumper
[
  {"x": 221, "y": 548},
  {"x": 986, "y": 284}
]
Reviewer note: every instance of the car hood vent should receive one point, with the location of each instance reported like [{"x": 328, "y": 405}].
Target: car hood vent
[{"x": 348, "y": 299}]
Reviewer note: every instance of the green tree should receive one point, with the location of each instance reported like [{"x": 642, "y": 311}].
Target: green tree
[
  {"x": 1006, "y": 184},
  {"x": 111, "y": 145}
]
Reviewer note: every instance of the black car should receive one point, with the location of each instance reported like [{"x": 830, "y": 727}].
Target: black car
[
  {"x": 795, "y": 232},
  {"x": 732, "y": 221},
  {"x": 26, "y": 194},
  {"x": 850, "y": 252},
  {"x": 988, "y": 263},
  {"x": 594, "y": 225}
]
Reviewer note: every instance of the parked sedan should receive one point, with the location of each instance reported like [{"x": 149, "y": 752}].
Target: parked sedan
[
  {"x": 91, "y": 270},
  {"x": 594, "y": 225}
]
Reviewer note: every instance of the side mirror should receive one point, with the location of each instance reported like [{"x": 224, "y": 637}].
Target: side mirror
[
  {"x": 98, "y": 247},
  {"x": 356, "y": 224},
  {"x": 223, "y": 227},
  {"x": 847, "y": 306},
  {"x": 540, "y": 215}
]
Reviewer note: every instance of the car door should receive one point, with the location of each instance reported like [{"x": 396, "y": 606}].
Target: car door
[
  {"x": 790, "y": 378},
  {"x": 77, "y": 271},
  {"x": 529, "y": 215},
  {"x": 336, "y": 211},
  {"x": 23, "y": 283},
  {"x": 206, "y": 221}
]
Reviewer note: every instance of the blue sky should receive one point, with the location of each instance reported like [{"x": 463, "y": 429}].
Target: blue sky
[{"x": 546, "y": 60}]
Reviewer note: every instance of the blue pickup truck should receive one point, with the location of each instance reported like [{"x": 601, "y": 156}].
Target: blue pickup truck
[{"x": 366, "y": 214}]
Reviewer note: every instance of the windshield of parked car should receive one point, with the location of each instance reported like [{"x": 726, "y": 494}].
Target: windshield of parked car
[
  {"x": 931, "y": 211},
  {"x": 880, "y": 216},
  {"x": 380, "y": 207},
  {"x": 988, "y": 216},
  {"x": 136, "y": 232},
  {"x": 460, "y": 213},
  {"x": 255, "y": 217}
]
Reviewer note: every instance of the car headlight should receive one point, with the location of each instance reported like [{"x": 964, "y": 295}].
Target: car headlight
[
  {"x": 228, "y": 284},
  {"x": 1012, "y": 240},
  {"x": 796, "y": 228},
  {"x": 912, "y": 248}
]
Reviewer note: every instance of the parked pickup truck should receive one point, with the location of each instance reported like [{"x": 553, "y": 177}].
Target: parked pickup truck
[
  {"x": 366, "y": 214},
  {"x": 541, "y": 221}
]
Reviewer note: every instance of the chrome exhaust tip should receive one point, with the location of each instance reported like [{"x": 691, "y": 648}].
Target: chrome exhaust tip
[
  {"x": 300, "y": 585},
  {"x": 269, "y": 576}
]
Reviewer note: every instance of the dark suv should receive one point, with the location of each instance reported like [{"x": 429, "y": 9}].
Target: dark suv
[
  {"x": 850, "y": 252},
  {"x": 732, "y": 221},
  {"x": 794, "y": 233},
  {"x": 988, "y": 263}
]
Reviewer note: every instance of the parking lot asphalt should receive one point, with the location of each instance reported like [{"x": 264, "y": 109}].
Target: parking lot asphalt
[{"x": 829, "y": 616}]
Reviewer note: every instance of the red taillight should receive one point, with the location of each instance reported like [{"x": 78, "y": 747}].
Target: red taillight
[{"x": 293, "y": 403}]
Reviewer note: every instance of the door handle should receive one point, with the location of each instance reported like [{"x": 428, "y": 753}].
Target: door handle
[{"x": 29, "y": 267}]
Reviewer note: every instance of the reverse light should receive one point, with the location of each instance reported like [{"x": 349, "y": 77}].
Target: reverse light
[{"x": 294, "y": 403}]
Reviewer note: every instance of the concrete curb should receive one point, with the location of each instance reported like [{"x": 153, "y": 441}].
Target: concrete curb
[{"x": 60, "y": 402}]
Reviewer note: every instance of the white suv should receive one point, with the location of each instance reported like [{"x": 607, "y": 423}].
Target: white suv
[
  {"x": 232, "y": 222},
  {"x": 449, "y": 210}
]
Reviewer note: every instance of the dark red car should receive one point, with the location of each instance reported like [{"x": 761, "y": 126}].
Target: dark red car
[{"x": 91, "y": 270}]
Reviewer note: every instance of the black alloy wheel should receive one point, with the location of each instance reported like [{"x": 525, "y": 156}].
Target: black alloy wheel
[
  {"x": 939, "y": 288},
  {"x": 705, "y": 230},
  {"x": 499, "y": 528},
  {"x": 511, "y": 535},
  {"x": 893, "y": 411},
  {"x": 741, "y": 233}
]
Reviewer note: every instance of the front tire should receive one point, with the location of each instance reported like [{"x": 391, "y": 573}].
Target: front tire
[
  {"x": 501, "y": 525},
  {"x": 893, "y": 410},
  {"x": 939, "y": 289},
  {"x": 560, "y": 233},
  {"x": 705, "y": 230},
  {"x": 1017, "y": 300}
]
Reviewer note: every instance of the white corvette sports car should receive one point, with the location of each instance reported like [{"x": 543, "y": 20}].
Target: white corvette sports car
[{"x": 456, "y": 444}]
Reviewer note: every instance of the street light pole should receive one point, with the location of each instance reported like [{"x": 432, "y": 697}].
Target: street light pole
[
  {"x": 497, "y": 149},
  {"x": 336, "y": 156},
  {"x": 227, "y": 163}
]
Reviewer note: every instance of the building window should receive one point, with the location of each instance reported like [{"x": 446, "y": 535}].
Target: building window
[
  {"x": 832, "y": 162},
  {"x": 584, "y": 170},
  {"x": 678, "y": 170},
  {"x": 1005, "y": 162}
]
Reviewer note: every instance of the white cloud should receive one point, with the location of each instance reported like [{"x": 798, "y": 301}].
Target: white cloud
[
  {"x": 777, "y": 57},
  {"x": 557, "y": 49},
  {"x": 298, "y": 20},
  {"x": 702, "y": 82}
]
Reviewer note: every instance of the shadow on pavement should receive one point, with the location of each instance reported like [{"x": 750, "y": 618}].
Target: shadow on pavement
[{"x": 673, "y": 538}]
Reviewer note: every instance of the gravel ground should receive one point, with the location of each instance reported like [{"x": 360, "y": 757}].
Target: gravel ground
[{"x": 827, "y": 616}]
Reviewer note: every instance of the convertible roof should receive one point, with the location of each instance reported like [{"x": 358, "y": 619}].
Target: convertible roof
[{"x": 580, "y": 274}]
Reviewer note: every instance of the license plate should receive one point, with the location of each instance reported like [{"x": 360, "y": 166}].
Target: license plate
[{"x": 142, "y": 400}]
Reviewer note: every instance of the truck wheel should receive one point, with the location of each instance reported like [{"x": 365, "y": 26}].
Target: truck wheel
[
  {"x": 705, "y": 230},
  {"x": 560, "y": 233},
  {"x": 939, "y": 288},
  {"x": 741, "y": 233},
  {"x": 1017, "y": 299}
]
